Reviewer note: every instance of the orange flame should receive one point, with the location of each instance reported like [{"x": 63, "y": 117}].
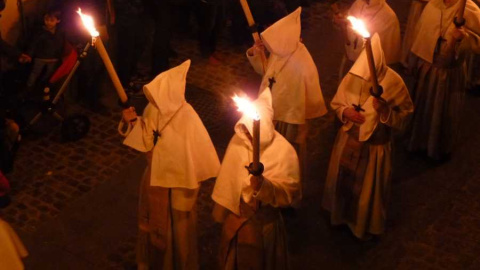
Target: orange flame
[
  {"x": 359, "y": 26},
  {"x": 89, "y": 23},
  {"x": 246, "y": 106}
]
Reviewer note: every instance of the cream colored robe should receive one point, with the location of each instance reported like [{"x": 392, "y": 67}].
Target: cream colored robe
[
  {"x": 296, "y": 95},
  {"x": 11, "y": 248},
  {"x": 440, "y": 77},
  {"x": 255, "y": 239},
  {"x": 354, "y": 89},
  {"x": 416, "y": 9},
  {"x": 183, "y": 156}
]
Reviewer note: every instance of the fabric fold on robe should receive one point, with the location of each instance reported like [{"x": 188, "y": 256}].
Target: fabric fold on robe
[
  {"x": 440, "y": 77},
  {"x": 416, "y": 9}
]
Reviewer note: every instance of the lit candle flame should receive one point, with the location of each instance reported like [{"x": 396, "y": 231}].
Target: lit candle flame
[
  {"x": 359, "y": 26},
  {"x": 246, "y": 106},
  {"x": 89, "y": 23}
]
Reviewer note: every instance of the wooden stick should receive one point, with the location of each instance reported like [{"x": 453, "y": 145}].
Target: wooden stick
[
  {"x": 256, "y": 145},
  {"x": 111, "y": 70},
  {"x": 371, "y": 65},
  {"x": 251, "y": 24},
  {"x": 461, "y": 14}
]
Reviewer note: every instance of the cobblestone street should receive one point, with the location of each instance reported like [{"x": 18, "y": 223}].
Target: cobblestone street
[{"x": 74, "y": 203}]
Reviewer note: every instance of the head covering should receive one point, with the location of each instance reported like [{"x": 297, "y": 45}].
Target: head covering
[
  {"x": 283, "y": 37},
  {"x": 276, "y": 154},
  {"x": 395, "y": 91},
  {"x": 360, "y": 67},
  {"x": 184, "y": 153}
]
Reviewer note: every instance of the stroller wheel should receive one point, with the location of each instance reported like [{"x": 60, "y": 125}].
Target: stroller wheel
[{"x": 75, "y": 127}]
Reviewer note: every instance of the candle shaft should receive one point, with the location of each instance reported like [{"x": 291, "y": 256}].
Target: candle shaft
[
  {"x": 371, "y": 66},
  {"x": 461, "y": 12},
  {"x": 111, "y": 70},
  {"x": 251, "y": 23},
  {"x": 256, "y": 144}
]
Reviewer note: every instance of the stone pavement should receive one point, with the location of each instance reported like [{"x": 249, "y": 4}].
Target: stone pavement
[{"x": 74, "y": 204}]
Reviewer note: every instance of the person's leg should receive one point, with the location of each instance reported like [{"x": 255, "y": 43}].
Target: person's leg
[
  {"x": 37, "y": 69},
  {"x": 218, "y": 18},
  {"x": 49, "y": 70}
]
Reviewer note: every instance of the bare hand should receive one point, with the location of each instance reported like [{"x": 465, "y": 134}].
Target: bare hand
[
  {"x": 24, "y": 58},
  {"x": 257, "y": 48},
  {"x": 380, "y": 105},
  {"x": 129, "y": 115},
  {"x": 459, "y": 33},
  {"x": 256, "y": 182},
  {"x": 353, "y": 116}
]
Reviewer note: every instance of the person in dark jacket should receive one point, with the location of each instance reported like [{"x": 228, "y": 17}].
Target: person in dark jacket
[{"x": 46, "y": 48}]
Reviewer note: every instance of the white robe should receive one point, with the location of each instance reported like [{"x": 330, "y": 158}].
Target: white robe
[
  {"x": 440, "y": 77},
  {"x": 182, "y": 157},
  {"x": 296, "y": 95},
  {"x": 261, "y": 230},
  {"x": 372, "y": 201}
]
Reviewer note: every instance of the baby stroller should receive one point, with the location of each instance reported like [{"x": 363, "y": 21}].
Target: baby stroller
[{"x": 75, "y": 126}]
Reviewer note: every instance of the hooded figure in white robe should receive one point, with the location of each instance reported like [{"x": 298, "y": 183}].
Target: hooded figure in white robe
[
  {"x": 416, "y": 9},
  {"x": 358, "y": 180},
  {"x": 180, "y": 156},
  {"x": 253, "y": 234},
  {"x": 440, "y": 76},
  {"x": 296, "y": 92},
  {"x": 379, "y": 18},
  {"x": 12, "y": 250}
]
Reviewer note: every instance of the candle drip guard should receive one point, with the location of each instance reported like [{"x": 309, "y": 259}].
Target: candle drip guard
[{"x": 258, "y": 171}]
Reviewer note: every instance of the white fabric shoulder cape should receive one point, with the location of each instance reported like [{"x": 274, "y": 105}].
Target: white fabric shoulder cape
[
  {"x": 296, "y": 95},
  {"x": 435, "y": 16},
  {"x": 282, "y": 176},
  {"x": 379, "y": 18},
  {"x": 184, "y": 154},
  {"x": 395, "y": 93}
]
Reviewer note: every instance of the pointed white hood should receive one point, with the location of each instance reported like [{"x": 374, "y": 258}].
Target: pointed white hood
[
  {"x": 184, "y": 155},
  {"x": 276, "y": 154},
  {"x": 283, "y": 37},
  {"x": 167, "y": 91},
  {"x": 297, "y": 95},
  {"x": 358, "y": 67}
]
